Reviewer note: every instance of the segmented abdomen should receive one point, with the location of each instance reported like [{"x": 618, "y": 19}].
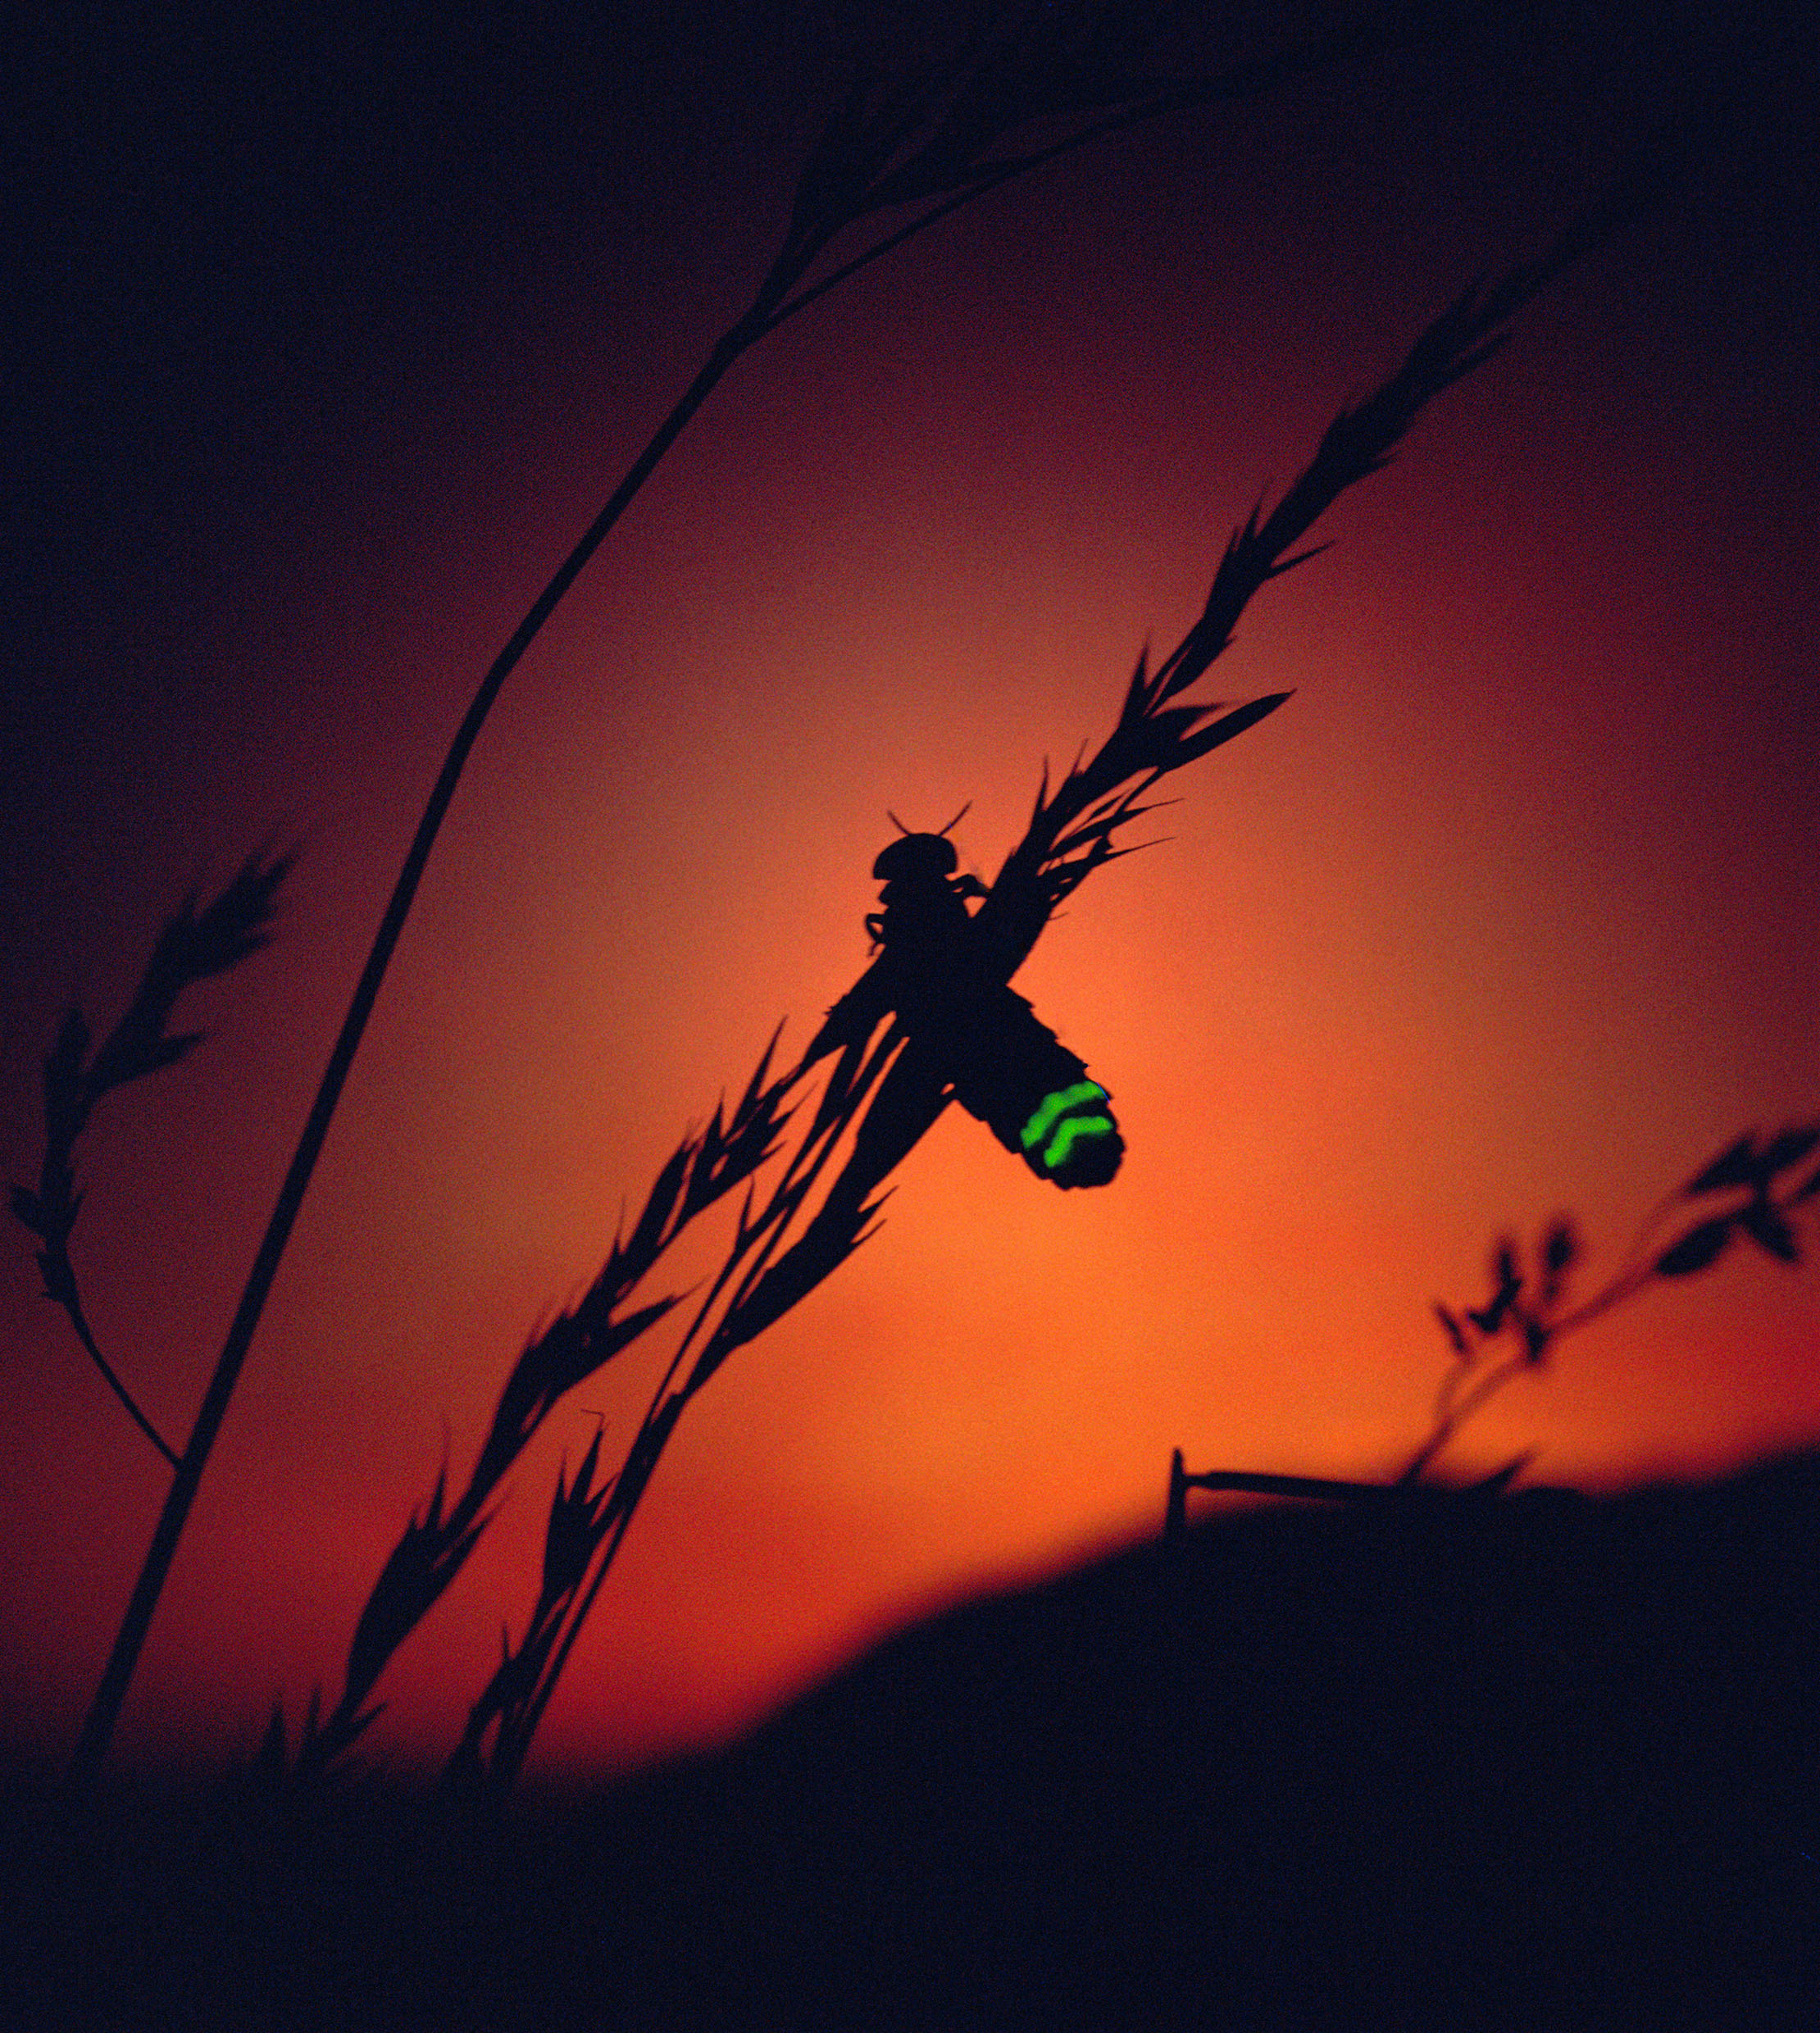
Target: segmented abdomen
[{"x": 1011, "y": 1071}]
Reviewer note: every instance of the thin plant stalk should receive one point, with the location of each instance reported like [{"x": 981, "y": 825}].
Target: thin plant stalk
[{"x": 79, "y": 1319}]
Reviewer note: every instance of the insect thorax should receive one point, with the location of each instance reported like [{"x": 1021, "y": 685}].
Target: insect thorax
[{"x": 1005, "y": 1067}]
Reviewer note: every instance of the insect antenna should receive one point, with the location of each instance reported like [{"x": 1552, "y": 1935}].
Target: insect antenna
[{"x": 948, "y": 829}]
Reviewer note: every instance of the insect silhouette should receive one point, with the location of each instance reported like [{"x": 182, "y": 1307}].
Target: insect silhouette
[{"x": 982, "y": 1041}]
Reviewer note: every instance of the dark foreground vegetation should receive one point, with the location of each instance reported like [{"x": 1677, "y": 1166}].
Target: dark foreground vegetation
[{"x": 1530, "y": 1760}]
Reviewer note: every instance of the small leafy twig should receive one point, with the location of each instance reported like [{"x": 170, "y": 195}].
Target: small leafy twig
[
  {"x": 193, "y": 946},
  {"x": 1530, "y": 1311},
  {"x": 1533, "y": 1314}
]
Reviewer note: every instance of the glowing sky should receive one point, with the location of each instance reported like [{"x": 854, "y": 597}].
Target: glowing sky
[{"x": 338, "y": 344}]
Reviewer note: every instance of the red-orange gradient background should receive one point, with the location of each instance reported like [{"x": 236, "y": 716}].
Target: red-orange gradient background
[{"x": 1511, "y": 910}]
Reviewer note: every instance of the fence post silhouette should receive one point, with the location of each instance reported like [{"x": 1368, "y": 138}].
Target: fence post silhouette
[{"x": 1321, "y": 1488}]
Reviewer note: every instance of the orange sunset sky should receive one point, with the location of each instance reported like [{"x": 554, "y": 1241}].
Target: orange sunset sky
[{"x": 337, "y": 336}]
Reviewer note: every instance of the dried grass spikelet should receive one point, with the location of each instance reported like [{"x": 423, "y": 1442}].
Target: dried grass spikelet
[{"x": 193, "y": 946}]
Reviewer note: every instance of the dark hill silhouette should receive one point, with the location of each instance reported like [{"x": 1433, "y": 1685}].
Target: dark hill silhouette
[{"x": 1535, "y": 1761}]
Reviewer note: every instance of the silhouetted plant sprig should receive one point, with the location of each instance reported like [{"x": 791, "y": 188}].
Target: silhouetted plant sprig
[
  {"x": 1527, "y": 1312},
  {"x": 1071, "y": 73},
  {"x": 753, "y": 1288},
  {"x": 193, "y": 946},
  {"x": 1071, "y": 831},
  {"x": 706, "y": 1165}
]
